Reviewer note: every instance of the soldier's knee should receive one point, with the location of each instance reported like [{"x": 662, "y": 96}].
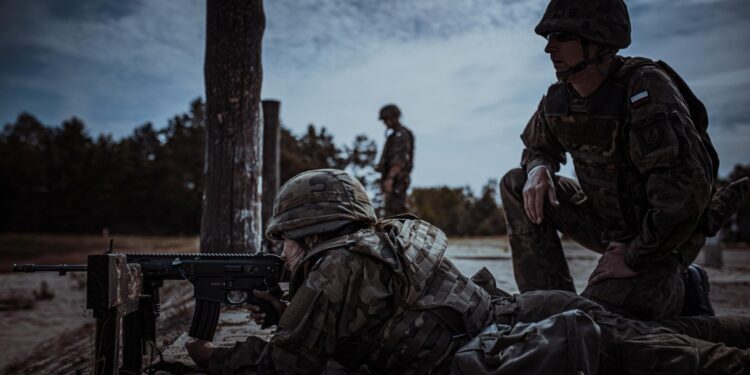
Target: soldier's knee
[{"x": 511, "y": 185}]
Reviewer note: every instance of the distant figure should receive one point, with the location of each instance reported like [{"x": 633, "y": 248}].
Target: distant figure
[
  {"x": 396, "y": 161},
  {"x": 645, "y": 166}
]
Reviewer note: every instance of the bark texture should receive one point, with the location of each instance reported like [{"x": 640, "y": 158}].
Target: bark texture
[{"x": 231, "y": 218}]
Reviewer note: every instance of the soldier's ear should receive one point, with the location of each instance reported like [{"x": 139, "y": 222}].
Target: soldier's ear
[{"x": 601, "y": 49}]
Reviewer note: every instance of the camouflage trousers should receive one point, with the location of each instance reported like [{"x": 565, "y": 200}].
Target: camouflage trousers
[
  {"x": 395, "y": 201},
  {"x": 539, "y": 262},
  {"x": 680, "y": 345}
]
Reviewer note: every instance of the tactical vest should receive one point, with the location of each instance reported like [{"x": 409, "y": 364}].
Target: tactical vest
[
  {"x": 385, "y": 158},
  {"x": 423, "y": 283},
  {"x": 595, "y": 131}
]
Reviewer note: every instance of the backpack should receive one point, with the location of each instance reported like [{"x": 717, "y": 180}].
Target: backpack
[
  {"x": 566, "y": 344},
  {"x": 698, "y": 112}
]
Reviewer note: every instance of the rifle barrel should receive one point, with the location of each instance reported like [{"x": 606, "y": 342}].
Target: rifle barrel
[{"x": 62, "y": 268}]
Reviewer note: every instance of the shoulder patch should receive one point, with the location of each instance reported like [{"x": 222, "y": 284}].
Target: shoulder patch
[{"x": 640, "y": 99}]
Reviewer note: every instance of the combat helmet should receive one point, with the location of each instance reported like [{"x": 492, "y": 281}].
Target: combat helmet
[
  {"x": 604, "y": 22},
  {"x": 319, "y": 201},
  {"x": 389, "y": 110}
]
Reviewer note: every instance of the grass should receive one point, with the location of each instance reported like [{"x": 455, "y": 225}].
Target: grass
[{"x": 73, "y": 249}]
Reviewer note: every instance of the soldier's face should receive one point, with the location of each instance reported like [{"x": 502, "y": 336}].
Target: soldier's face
[
  {"x": 564, "y": 50},
  {"x": 292, "y": 254},
  {"x": 390, "y": 122}
]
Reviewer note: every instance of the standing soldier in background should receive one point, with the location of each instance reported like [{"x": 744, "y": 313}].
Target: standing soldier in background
[
  {"x": 396, "y": 161},
  {"x": 646, "y": 167}
]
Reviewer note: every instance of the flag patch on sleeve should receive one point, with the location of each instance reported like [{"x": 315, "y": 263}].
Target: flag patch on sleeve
[{"x": 640, "y": 99}]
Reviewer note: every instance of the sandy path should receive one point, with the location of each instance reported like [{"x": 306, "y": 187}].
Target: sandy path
[{"x": 25, "y": 329}]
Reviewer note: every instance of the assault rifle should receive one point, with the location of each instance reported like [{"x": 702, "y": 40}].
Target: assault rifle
[{"x": 127, "y": 286}]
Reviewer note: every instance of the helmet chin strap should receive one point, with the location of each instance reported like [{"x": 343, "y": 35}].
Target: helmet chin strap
[{"x": 565, "y": 74}]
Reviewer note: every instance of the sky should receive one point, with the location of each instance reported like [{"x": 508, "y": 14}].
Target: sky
[{"x": 467, "y": 74}]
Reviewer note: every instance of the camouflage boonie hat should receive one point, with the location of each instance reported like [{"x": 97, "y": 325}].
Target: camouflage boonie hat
[
  {"x": 390, "y": 110},
  {"x": 318, "y": 201},
  {"x": 604, "y": 22}
]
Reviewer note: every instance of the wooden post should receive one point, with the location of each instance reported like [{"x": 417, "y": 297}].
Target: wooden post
[
  {"x": 107, "y": 341},
  {"x": 132, "y": 342},
  {"x": 231, "y": 220},
  {"x": 271, "y": 157},
  {"x": 113, "y": 292}
]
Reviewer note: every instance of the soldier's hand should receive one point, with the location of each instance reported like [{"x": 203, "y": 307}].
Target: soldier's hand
[
  {"x": 200, "y": 351},
  {"x": 256, "y": 314},
  {"x": 612, "y": 264},
  {"x": 538, "y": 188}
]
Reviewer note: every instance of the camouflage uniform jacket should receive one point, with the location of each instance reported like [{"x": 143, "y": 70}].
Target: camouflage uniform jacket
[
  {"x": 385, "y": 299},
  {"x": 398, "y": 150},
  {"x": 637, "y": 156}
]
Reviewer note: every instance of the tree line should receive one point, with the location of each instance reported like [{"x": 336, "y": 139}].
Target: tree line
[
  {"x": 458, "y": 211},
  {"x": 60, "y": 179}
]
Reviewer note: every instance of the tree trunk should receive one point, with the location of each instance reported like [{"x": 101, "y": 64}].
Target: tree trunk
[
  {"x": 271, "y": 159},
  {"x": 231, "y": 220}
]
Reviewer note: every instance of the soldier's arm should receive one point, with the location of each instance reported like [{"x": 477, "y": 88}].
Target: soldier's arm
[
  {"x": 667, "y": 150},
  {"x": 541, "y": 147},
  {"x": 343, "y": 295}
]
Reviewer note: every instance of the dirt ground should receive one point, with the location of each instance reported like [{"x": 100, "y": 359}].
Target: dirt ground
[{"x": 55, "y": 335}]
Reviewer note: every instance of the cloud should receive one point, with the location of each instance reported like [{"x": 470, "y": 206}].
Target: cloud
[
  {"x": 112, "y": 64},
  {"x": 468, "y": 83},
  {"x": 332, "y": 33},
  {"x": 461, "y": 75}
]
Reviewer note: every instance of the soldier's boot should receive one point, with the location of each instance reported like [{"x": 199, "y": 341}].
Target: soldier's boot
[
  {"x": 724, "y": 204},
  {"x": 697, "y": 292}
]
